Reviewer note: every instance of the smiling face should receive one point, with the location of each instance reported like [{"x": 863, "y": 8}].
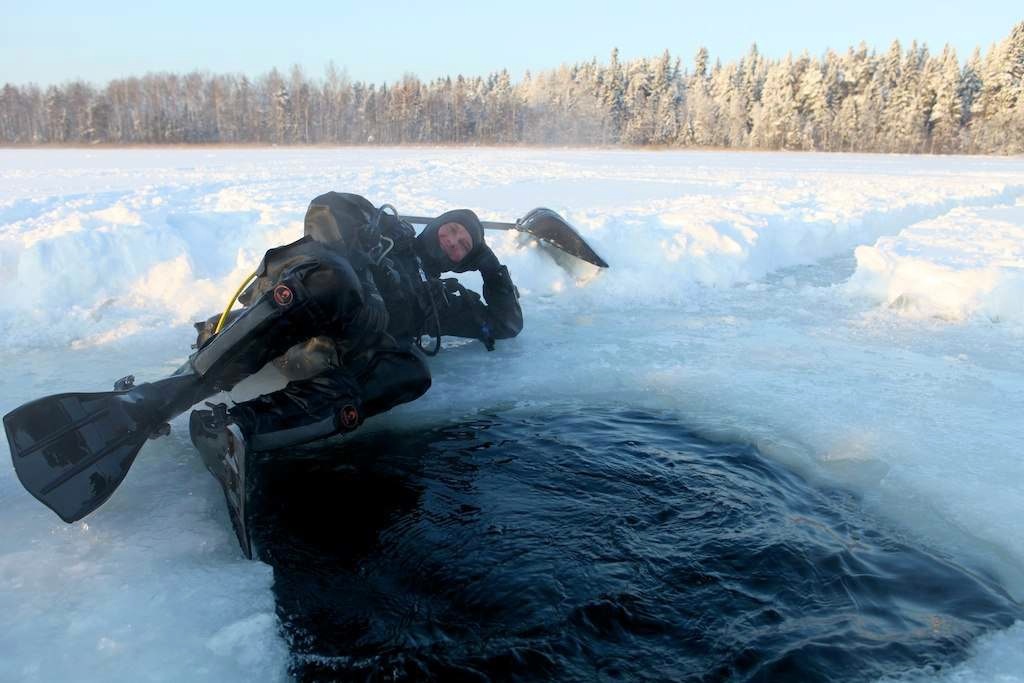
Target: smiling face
[{"x": 455, "y": 241}]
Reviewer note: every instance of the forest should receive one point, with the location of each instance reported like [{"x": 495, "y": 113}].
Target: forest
[{"x": 907, "y": 99}]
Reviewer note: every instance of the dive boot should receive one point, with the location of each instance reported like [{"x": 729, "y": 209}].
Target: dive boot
[{"x": 223, "y": 448}]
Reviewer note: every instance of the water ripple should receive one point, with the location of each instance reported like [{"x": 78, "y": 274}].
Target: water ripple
[{"x": 596, "y": 544}]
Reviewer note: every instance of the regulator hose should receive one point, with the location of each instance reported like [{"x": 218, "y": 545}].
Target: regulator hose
[{"x": 234, "y": 298}]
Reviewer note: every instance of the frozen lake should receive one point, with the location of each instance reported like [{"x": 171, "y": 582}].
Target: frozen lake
[{"x": 857, "y": 319}]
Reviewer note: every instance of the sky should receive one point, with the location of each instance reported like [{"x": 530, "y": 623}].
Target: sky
[{"x": 57, "y": 41}]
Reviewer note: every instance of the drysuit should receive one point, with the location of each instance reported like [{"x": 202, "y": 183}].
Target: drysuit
[{"x": 360, "y": 290}]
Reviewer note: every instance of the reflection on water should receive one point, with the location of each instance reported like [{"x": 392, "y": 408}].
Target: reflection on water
[{"x": 595, "y": 543}]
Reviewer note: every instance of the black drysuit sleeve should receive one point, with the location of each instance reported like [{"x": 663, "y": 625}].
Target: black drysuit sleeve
[{"x": 464, "y": 314}]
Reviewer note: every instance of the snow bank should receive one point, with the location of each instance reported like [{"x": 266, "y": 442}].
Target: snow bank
[
  {"x": 964, "y": 263},
  {"x": 170, "y": 247}
]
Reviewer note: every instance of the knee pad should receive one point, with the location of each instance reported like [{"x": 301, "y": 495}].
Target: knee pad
[
  {"x": 301, "y": 412},
  {"x": 392, "y": 378}
]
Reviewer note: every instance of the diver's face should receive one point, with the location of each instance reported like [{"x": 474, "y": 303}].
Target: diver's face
[{"x": 455, "y": 241}]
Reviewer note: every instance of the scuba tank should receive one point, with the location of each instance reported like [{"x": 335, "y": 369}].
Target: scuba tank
[{"x": 380, "y": 246}]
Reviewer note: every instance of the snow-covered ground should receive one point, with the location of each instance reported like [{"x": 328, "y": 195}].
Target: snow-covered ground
[{"x": 859, "y": 317}]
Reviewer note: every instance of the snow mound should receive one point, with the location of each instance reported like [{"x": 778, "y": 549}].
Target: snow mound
[
  {"x": 968, "y": 262},
  {"x": 164, "y": 254}
]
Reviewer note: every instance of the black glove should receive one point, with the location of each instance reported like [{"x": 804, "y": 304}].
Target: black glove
[{"x": 482, "y": 260}]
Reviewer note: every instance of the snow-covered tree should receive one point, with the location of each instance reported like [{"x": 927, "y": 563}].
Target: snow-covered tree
[
  {"x": 970, "y": 84},
  {"x": 945, "y": 118},
  {"x": 702, "y": 112},
  {"x": 1002, "y": 86},
  {"x": 909, "y": 109},
  {"x": 901, "y": 100},
  {"x": 812, "y": 105},
  {"x": 776, "y": 120}
]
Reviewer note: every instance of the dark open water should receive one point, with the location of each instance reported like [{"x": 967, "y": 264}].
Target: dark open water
[{"x": 596, "y": 544}]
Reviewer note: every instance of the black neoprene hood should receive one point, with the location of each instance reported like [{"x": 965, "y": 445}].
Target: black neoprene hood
[{"x": 428, "y": 246}]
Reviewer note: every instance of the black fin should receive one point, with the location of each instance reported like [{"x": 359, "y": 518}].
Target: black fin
[
  {"x": 71, "y": 451},
  {"x": 236, "y": 494},
  {"x": 546, "y": 225},
  {"x": 225, "y": 457}
]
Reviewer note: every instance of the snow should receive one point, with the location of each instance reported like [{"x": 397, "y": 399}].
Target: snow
[
  {"x": 857, "y": 317},
  {"x": 936, "y": 268}
]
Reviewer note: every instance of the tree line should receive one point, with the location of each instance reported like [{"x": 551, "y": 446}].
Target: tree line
[{"x": 903, "y": 100}]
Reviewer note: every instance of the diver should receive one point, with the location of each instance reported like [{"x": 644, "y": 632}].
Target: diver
[
  {"x": 341, "y": 312},
  {"x": 363, "y": 290}
]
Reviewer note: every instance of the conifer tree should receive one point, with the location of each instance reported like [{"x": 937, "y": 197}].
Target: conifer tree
[
  {"x": 947, "y": 110},
  {"x": 813, "y": 108},
  {"x": 776, "y": 121},
  {"x": 703, "y": 112}
]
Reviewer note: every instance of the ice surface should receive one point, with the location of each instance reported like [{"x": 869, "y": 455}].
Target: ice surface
[{"x": 858, "y": 317}]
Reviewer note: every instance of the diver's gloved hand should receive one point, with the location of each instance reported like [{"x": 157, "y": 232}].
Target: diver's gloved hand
[
  {"x": 483, "y": 260},
  {"x": 495, "y": 276}
]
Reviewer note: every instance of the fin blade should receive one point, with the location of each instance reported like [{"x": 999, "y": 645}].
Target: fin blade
[
  {"x": 546, "y": 225},
  {"x": 71, "y": 451}
]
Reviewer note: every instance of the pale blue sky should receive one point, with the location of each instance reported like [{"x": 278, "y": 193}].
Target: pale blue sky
[{"x": 51, "y": 41}]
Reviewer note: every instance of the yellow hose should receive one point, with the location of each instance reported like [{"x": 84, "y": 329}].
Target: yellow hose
[{"x": 234, "y": 298}]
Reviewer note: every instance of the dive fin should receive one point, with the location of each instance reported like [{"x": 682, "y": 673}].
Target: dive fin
[
  {"x": 223, "y": 450},
  {"x": 71, "y": 451},
  {"x": 546, "y": 225}
]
